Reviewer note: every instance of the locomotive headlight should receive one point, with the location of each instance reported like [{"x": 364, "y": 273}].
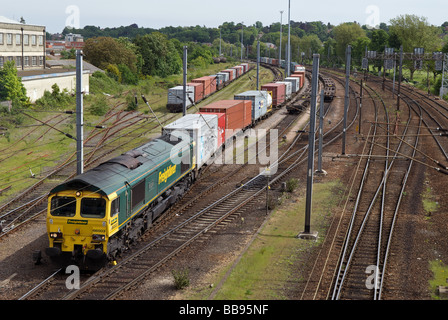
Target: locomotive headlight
[
  {"x": 55, "y": 235},
  {"x": 98, "y": 237}
]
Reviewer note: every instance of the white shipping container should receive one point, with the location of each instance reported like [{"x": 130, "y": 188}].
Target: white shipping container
[
  {"x": 224, "y": 76},
  {"x": 288, "y": 88},
  {"x": 203, "y": 132},
  {"x": 295, "y": 83},
  {"x": 176, "y": 95}
]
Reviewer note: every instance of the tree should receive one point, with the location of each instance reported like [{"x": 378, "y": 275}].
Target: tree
[
  {"x": 415, "y": 32},
  {"x": 103, "y": 51},
  {"x": 380, "y": 39},
  {"x": 11, "y": 87},
  {"x": 346, "y": 34},
  {"x": 160, "y": 56}
]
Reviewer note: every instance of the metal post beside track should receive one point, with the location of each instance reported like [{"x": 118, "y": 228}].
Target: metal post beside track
[
  {"x": 321, "y": 134},
  {"x": 347, "y": 97},
  {"x": 184, "y": 107},
  {"x": 79, "y": 115},
  {"x": 307, "y": 234}
]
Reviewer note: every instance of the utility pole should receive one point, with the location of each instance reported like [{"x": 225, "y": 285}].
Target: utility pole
[
  {"x": 242, "y": 40},
  {"x": 444, "y": 76},
  {"x": 281, "y": 31},
  {"x": 184, "y": 107},
  {"x": 400, "y": 75},
  {"x": 347, "y": 97},
  {"x": 258, "y": 65},
  {"x": 288, "y": 62},
  {"x": 79, "y": 115},
  {"x": 307, "y": 234},
  {"x": 321, "y": 134}
]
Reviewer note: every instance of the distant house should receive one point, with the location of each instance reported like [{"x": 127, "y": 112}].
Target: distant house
[
  {"x": 71, "y": 41},
  {"x": 22, "y": 43}
]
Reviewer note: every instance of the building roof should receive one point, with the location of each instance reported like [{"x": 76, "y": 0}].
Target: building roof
[
  {"x": 69, "y": 63},
  {"x": 10, "y": 21},
  {"x": 6, "y": 20}
]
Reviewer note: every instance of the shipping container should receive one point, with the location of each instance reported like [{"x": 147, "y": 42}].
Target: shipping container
[
  {"x": 277, "y": 92},
  {"x": 198, "y": 90},
  {"x": 239, "y": 71},
  {"x": 224, "y": 76},
  {"x": 202, "y": 130},
  {"x": 175, "y": 98},
  {"x": 300, "y": 76},
  {"x": 246, "y": 67},
  {"x": 218, "y": 81},
  {"x": 299, "y": 68},
  {"x": 275, "y": 62},
  {"x": 221, "y": 126},
  {"x": 209, "y": 84},
  {"x": 295, "y": 83},
  {"x": 238, "y": 114},
  {"x": 231, "y": 72},
  {"x": 261, "y": 102},
  {"x": 288, "y": 89}
]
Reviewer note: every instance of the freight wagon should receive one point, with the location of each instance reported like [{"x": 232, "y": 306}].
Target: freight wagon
[
  {"x": 277, "y": 91},
  {"x": 261, "y": 103},
  {"x": 238, "y": 114},
  {"x": 210, "y": 85}
]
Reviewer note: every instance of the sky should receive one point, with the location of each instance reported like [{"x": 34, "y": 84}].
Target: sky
[{"x": 56, "y": 14}]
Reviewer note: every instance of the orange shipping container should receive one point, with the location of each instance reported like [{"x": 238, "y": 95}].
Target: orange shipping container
[
  {"x": 198, "y": 90},
  {"x": 238, "y": 113},
  {"x": 209, "y": 84}
]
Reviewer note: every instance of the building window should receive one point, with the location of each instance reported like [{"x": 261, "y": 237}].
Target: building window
[
  {"x": 1, "y": 62},
  {"x": 18, "y": 61},
  {"x": 26, "y": 61},
  {"x": 34, "y": 61},
  {"x": 18, "y": 39},
  {"x": 41, "y": 40},
  {"x": 33, "y": 40},
  {"x": 1, "y": 38},
  {"x": 26, "y": 39},
  {"x": 9, "y": 38},
  {"x": 41, "y": 61}
]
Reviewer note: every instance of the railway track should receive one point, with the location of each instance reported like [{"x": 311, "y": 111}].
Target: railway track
[
  {"x": 222, "y": 210},
  {"x": 362, "y": 250}
]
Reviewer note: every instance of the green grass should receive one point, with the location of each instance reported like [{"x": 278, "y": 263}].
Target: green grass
[
  {"x": 440, "y": 271},
  {"x": 273, "y": 261}
]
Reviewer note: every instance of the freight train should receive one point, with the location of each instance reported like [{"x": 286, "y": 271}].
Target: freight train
[
  {"x": 201, "y": 88},
  {"x": 95, "y": 216}
]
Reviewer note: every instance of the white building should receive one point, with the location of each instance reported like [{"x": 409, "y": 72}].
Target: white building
[{"x": 22, "y": 43}]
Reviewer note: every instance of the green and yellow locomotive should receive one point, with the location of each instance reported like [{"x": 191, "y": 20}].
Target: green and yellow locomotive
[{"x": 95, "y": 216}]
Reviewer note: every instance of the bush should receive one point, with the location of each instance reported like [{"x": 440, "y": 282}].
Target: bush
[
  {"x": 99, "y": 106},
  {"x": 127, "y": 76},
  {"x": 181, "y": 278},
  {"x": 291, "y": 184},
  {"x": 101, "y": 83},
  {"x": 56, "y": 99}
]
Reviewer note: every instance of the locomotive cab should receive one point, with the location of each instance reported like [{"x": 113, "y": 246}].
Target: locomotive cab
[{"x": 77, "y": 225}]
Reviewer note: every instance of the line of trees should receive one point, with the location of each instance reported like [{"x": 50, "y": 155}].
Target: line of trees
[{"x": 132, "y": 52}]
